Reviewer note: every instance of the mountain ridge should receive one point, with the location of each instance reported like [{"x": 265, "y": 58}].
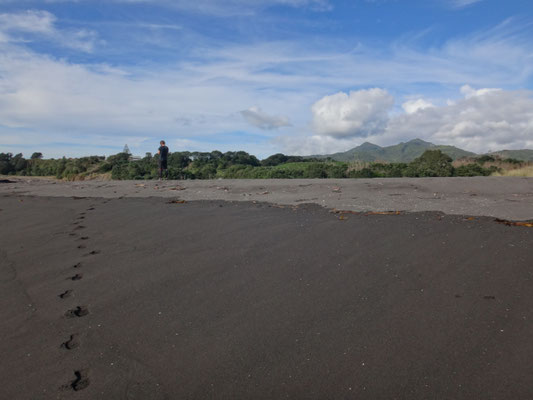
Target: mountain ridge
[{"x": 408, "y": 151}]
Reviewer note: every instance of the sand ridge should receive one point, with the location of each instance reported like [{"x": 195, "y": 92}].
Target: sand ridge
[{"x": 501, "y": 197}]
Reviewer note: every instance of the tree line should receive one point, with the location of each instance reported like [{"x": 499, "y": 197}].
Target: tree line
[{"x": 235, "y": 165}]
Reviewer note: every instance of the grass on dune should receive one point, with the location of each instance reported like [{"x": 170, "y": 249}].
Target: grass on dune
[{"x": 525, "y": 171}]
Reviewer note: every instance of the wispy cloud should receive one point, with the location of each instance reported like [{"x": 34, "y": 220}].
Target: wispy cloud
[
  {"x": 36, "y": 25},
  {"x": 463, "y": 3},
  {"x": 173, "y": 27},
  {"x": 203, "y": 93},
  {"x": 222, "y": 8},
  {"x": 33, "y": 21},
  {"x": 226, "y": 8},
  {"x": 257, "y": 117}
]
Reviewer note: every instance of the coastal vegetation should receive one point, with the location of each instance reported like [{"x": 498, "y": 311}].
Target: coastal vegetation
[{"x": 241, "y": 165}]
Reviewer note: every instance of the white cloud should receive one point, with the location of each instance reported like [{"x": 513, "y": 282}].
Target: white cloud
[
  {"x": 172, "y": 27},
  {"x": 469, "y": 92},
  {"x": 316, "y": 5},
  {"x": 256, "y": 117},
  {"x": 412, "y": 106},
  {"x": 489, "y": 120},
  {"x": 222, "y": 8},
  {"x": 81, "y": 104},
  {"x": 315, "y": 144},
  {"x": 201, "y": 95},
  {"x": 4, "y": 38},
  {"x": 463, "y": 3},
  {"x": 37, "y": 24},
  {"x": 359, "y": 113},
  {"x": 33, "y": 21}
]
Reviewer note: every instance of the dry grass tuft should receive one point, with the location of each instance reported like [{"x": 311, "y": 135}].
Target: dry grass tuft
[
  {"x": 91, "y": 176},
  {"x": 357, "y": 165},
  {"x": 525, "y": 171}
]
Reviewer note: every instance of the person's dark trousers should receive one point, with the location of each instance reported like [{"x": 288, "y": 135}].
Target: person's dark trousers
[{"x": 163, "y": 166}]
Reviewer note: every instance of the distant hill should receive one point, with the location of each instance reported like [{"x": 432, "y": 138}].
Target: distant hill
[
  {"x": 403, "y": 152},
  {"x": 524, "y": 155}
]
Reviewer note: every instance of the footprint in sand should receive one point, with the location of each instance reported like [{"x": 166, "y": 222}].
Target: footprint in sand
[
  {"x": 73, "y": 234},
  {"x": 92, "y": 253},
  {"x": 72, "y": 343},
  {"x": 82, "y": 246},
  {"x": 76, "y": 277},
  {"x": 84, "y": 238},
  {"x": 81, "y": 381},
  {"x": 65, "y": 294},
  {"x": 80, "y": 311},
  {"x": 78, "y": 227},
  {"x": 90, "y": 209},
  {"x": 78, "y": 265}
]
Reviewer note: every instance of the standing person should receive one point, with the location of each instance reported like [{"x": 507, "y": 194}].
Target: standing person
[{"x": 163, "y": 156}]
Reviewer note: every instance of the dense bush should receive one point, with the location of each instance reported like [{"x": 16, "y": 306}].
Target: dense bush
[
  {"x": 485, "y": 158},
  {"x": 6, "y": 164},
  {"x": 431, "y": 163},
  {"x": 234, "y": 165},
  {"x": 362, "y": 173},
  {"x": 512, "y": 161},
  {"x": 474, "y": 170},
  {"x": 279, "y": 158}
]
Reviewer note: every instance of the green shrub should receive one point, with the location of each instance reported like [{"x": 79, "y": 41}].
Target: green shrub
[
  {"x": 362, "y": 173},
  {"x": 485, "y": 158},
  {"x": 431, "y": 163},
  {"x": 472, "y": 170},
  {"x": 512, "y": 161}
]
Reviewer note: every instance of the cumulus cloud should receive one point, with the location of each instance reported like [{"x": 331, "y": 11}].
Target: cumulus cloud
[
  {"x": 412, "y": 106},
  {"x": 199, "y": 94},
  {"x": 356, "y": 114},
  {"x": 316, "y": 144},
  {"x": 469, "y": 92},
  {"x": 38, "y": 24},
  {"x": 256, "y": 117},
  {"x": 86, "y": 104},
  {"x": 486, "y": 119}
]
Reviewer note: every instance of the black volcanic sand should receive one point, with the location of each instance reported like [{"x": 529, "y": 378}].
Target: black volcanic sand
[{"x": 141, "y": 299}]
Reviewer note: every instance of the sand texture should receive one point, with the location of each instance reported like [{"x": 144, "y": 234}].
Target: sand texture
[
  {"x": 501, "y": 197},
  {"x": 104, "y": 297}
]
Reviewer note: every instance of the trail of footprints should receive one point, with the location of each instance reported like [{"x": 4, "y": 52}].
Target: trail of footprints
[
  {"x": 81, "y": 377},
  {"x": 65, "y": 294},
  {"x": 72, "y": 342},
  {"x": 81, "y": 381},
  {"x": 76, "y": 277}
]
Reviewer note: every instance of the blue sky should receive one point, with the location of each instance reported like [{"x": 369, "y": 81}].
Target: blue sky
[{"x": 294, "y": 76}]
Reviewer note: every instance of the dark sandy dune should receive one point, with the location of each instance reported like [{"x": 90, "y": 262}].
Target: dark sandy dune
[{"x": 214, "y": 300}]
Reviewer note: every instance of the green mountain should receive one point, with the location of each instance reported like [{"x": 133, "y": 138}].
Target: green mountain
[
  {"x": 523, "y": 155},
  {"x": 403, "y": 152}
]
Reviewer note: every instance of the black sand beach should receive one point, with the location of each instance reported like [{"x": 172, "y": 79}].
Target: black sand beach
[{"x": 146, "y": 299}]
